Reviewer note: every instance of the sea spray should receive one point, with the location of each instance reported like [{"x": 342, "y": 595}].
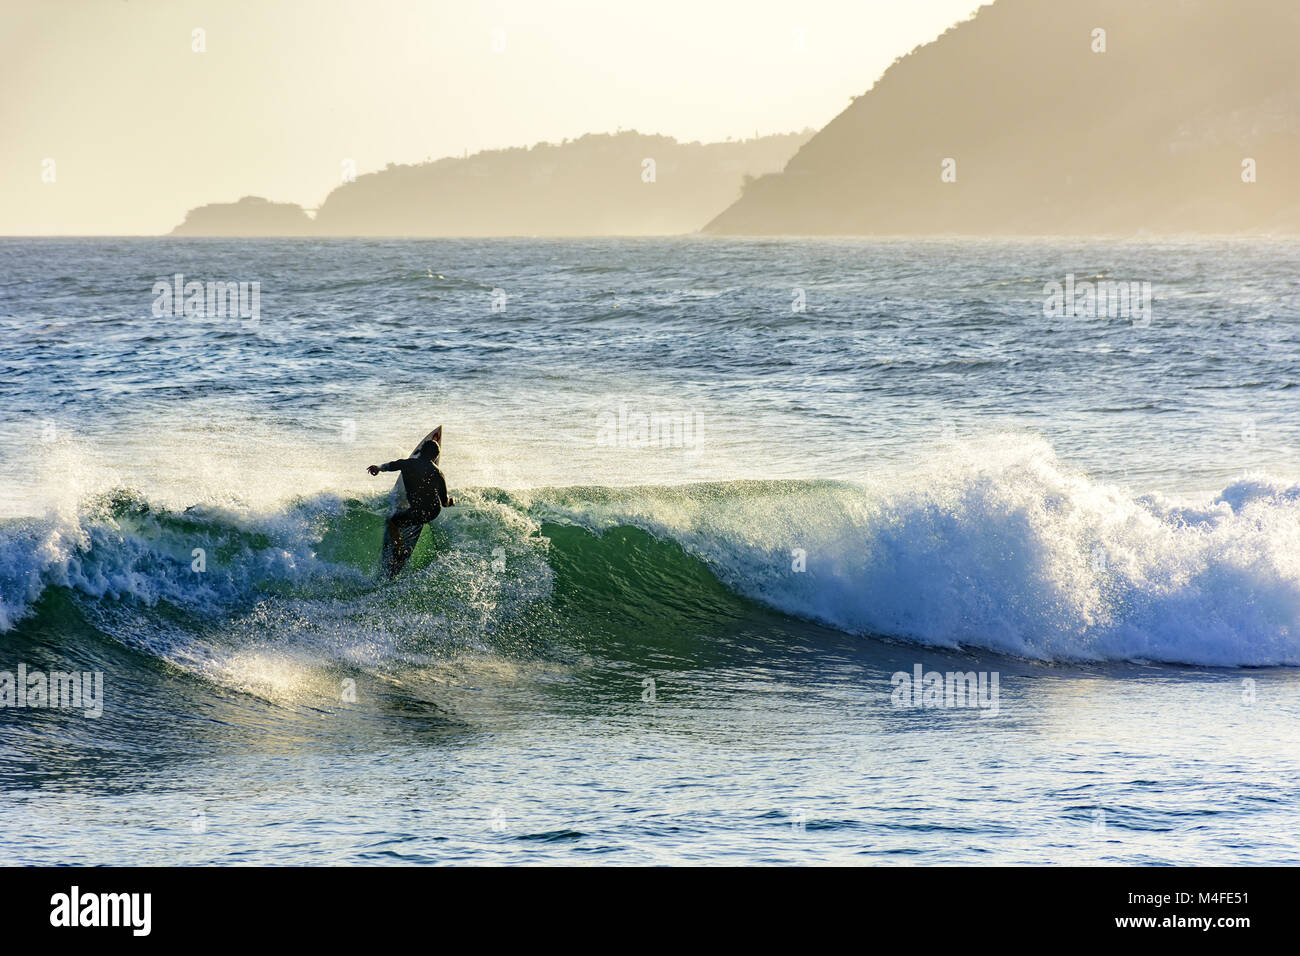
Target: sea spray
[
  {"x": 994, "y": 546},
  {"x": 997, "y": 545}
]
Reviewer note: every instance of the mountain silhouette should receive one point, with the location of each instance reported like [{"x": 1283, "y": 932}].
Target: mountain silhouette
[
  {"x": 625, "y": 184},
  {"x": 1069, "y": 117}
]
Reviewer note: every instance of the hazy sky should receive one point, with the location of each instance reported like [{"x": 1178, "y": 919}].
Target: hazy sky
[{"x": 141, "y": 128}]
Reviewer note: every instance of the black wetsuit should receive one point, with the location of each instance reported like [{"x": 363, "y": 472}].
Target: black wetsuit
[{"x": 426, "y": 491}]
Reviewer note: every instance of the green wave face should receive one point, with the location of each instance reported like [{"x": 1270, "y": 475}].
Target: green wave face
[
  {"x": 628, "y": 582},
  {"x": 1001, "y": 550},
  {"x": 505, "y": 579}
]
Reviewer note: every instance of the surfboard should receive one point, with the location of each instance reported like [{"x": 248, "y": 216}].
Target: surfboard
[{"x": 397, "y": 552}]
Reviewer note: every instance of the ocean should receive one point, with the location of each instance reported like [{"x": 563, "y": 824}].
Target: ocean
[{"x": 765, "y": 551}]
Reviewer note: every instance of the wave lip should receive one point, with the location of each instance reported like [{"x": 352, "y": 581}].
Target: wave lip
[
  {"x": 1009, "y": 551},
  {"x": 119, "y": 548},
  {"x": 991, "y": 545},
  {"x": 996, "y": 545}
]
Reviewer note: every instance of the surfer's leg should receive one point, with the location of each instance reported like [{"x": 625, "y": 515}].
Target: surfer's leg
[{"x": 403, "y": 519}]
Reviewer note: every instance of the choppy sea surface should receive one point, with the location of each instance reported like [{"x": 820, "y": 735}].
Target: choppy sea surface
[{"x": 719, "y": 504}]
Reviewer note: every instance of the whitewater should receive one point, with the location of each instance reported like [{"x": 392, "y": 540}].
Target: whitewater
[
  {"x": 999, "y": 548},
  {"x": 698, "y": 531}
]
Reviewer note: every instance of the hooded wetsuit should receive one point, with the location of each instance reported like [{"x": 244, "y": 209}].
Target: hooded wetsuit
[{"x": 426, "y": 490}]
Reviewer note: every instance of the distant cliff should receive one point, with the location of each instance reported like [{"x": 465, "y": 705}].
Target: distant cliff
[
  {"x": 1048, "y": 134},
  {"x": 626, "y": 184},
  {"x": 251, "y": 216}
]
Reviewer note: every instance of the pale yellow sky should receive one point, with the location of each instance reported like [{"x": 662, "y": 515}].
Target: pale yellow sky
[{"x": 140, "y": 127}]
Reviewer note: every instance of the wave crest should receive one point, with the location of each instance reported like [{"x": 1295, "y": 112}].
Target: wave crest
[
  {"x": 993, "y": 545},
  {"x": 997, "y": 545}
]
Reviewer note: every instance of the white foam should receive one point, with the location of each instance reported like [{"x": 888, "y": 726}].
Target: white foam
[
  {"x": 145, "y": 556},
  {"x": 992, "y": 544},
  {"x": 997, "y": 545}
]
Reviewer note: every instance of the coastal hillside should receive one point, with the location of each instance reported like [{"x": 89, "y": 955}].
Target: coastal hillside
[
  {"x": 594, "y": 185},
  {"x": 251, "y": 216},
  {"x": 626, "y": 184},
  {"x": 1070, "y": 117}
]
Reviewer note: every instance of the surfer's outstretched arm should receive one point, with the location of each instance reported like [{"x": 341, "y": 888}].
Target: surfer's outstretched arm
[{"x": 389, "y": 466}]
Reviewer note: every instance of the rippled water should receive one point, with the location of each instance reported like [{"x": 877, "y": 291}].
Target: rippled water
[{"x": 701, "y": 534}]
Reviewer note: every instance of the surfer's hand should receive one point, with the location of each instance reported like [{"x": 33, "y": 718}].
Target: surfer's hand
[
  {"x": 373, "y": 469},
  {"x": 450, "y": 501}
]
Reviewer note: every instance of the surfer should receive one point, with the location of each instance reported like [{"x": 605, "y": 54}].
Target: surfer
[{"x": 426, "y": 488}]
